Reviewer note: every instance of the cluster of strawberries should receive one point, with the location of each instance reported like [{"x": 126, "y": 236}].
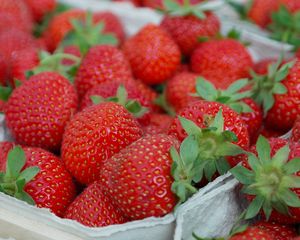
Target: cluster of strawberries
[{"x": 109, "y": 129}]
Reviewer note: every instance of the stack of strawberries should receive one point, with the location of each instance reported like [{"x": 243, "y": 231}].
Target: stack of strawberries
[{"x": 109, "y": 129}]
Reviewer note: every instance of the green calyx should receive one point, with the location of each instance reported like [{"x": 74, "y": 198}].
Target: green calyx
[
  {"x": 232, "y": 96},
  {"x": 53, "y": 63},
  {"x": 173, "y": 8},
  {"x": 162, "y": 102},
  {"x": 270, "y": 180},
  {"x": 266, "y": 86},
  {"x": 241, "y": 8},
  {"x": 202, "y": 153},
  {"x": 133, "y": 106},
  {"x": 86, "y": 34},
  {"x": 5, "y": 93},
  {"x": 14, "y": 179},
  {"x": 285, "y": 26}
]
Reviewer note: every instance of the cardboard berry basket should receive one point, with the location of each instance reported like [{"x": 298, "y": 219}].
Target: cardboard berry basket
[{"x": 209, "y": 213}]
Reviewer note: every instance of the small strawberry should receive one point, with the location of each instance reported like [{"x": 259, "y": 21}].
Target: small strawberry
[
  {"x": 40, "y": 8},
  {"x": 153, "y": 55},
  {"x": 220, "y": 133},
  {"x": 93, "y": 208},
  {"x": 252, "y": 233},
  {"x": 214, "y": 58},
  {"x": 35, "y": 176},
  {"x": 21, "y": 62},
  {"x": 139, "y": 178},
  {"x": 270, "y": 178},
  {"x": 39, "y": 109},
  {"x": 277, "y": 92},
  {"x": 188, "y": 23},
  {"x": 180, "y": 88},
  {"x": 277, "y": 231},
  {"x": 20, "y": 12},
  {"x": 101, "y": 64},
  {"x": 296, "y": 132},
  {"x": 94, "y": 135}
]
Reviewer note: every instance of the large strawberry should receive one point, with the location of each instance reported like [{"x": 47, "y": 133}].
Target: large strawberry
[
  {"x": 221, "y": 61},
  {"x": 40, "y": 8},
  {"x": 220, "y": 131},
  {"x": 94, "y": 135},
  {"x": 252, "y": 233},
  {"x": 278, "y": 93},
  {"x": 270, "y": 178},
  {"x": 188, "y": 23},
  {"x": 94, "y": 208},
  {"x": 8, "y": 21},
  {"x": 3, "y": 71},
  {"x": 296, "y": 131},
  {"x": 35, "y": 176},
  {"x": 20, "y": 12},
  {"x": 101, "y": 64},
  {"x": 39, "y": 109},
  {"x": 153, "y": 55},
  {"x": 277, "y": 231},
  {"x": 139, "y": 177}
]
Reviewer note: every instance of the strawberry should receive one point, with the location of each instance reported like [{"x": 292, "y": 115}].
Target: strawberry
[
  {"x": 35, "y": 176},
  {"x": 40, "y": 8},
  {"x": 101, "y": 64},
  {"x": 277, "y": 231},
  {"x": 59, "y": 26},
  {"x": 214, "y": 58},
  {"x": 252, "y": 233},
  {"x": 94, "y": 135},
  {"x": 21, "y": 62},
  {"x": 296, "y": 131},
  {"x": 20, "y": 11},
  {"x": 179, "y": 89},
  {"x": 8, "y": 21},
  {"x": 187, "y": 26},
  {"x": 39, "y": 109},
  {"x": 219, "y": 131},
  {"x": 139, "y": 178},
  {"x": 272, "y": 173},
  {"x": 159, "y": 123},
  {"x": 261, "y": 67},
  {"x": 137, "y": 3},
  {"x": 3, "y": 71},
  {"x": 153, "y": 55},
  {"x": 277, "y": 92},
  {"x": 73, "y": 50},
  {"x": 93, "y": 208},
  {"x": 13, "y": 40},
  {"x": 159, "y": 4}
]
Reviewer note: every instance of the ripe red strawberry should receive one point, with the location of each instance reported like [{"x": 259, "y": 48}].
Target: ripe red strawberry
[
  {"x": 139, "y": 179},
  {"x": 73, "y": 50},
  {"x": 93, "y": 136},
  {"x": 153, "y": 55},
  {"x": 20, "y": 11},
  {"x": 271, "y": 184},
  {"x": 112, "y": 24},
  {"x": 39, "y": 8},
  {"x": 158, "y": 4},
  {"x": 14, "y": 40},
  {"x": 3, "y": 71},
  {"x": 277, "y": 231},
  {"x": 296, "y": 131},
  {"x": 179, "y": 90},
  {"x": 159, "y": 123},
  {"x": 186, "y": 28},
  {"x": 21, "y": 62},
  {"x": 47, "y": 184},
  {"x": 38, "y": 111},
  {"x": 253, "y": 233},
  {"x": 219, "y": 130},
  {"x": 277, "y": 92},
  {"x": 94, "y": 208},
  {"x": 298, "y": 53},
  {"x": 137, "y": 3},
  {"x": 101, "y": 64},
  {"x": 214, "y": 58},
  {"x": 8, "y": 21}
]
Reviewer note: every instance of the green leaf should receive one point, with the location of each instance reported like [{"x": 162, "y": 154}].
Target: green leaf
[
  {"x": 122, "y": 94},
  {"x": 243, "y": 175},
  {"x": 97, "y": 99},
  {"x": 25, "y": 197},
  {"x": 253, "y": 162},
  {"x": 292, "y": 166},
  {"x": 254, "y": 207},
  {"x": 189, "y": 150},
  {"x": 171, "y": 5},
  {"x": 28, "y": 174},
  {"x": 229, "y": 149},
  {"x": 263, "y": 149},
  {"x": 291, "y": 181},
  {"x": 237, "y": 86},
  {"x": 15, "y": 162},
  {"x": 210, "y": 169},
  {"x": 240, "y": 107},
  {"x": 281, "y": 156},
  {"x": 206, "y": 89},
  {"x": 279, "y": 88},
  {"x": 268, "y": 102},
  {"x": 189, "y": 126},
  {"x": 5, "y": 93},
  {"x": 218, "y": 122},
  {"x": 199, "y": 14},
  {"x": 230, "y": 136},
  {"x": 280, "y": 207},
  {"x": 222, "y": 166},
  {"x": 267, "y": 208}
]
